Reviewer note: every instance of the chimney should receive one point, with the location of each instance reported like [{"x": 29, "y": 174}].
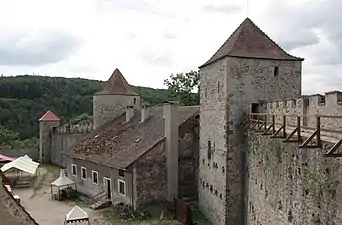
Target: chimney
[
  {"x": 129, "y": 113},
  {"x": 171, "y": 147},
  {"x": 145, "y": 112}
]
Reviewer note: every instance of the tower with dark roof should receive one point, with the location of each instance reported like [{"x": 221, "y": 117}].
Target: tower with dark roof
[
  {"x": 248, "y": 68},
  {"x": 113, "y": 99}
]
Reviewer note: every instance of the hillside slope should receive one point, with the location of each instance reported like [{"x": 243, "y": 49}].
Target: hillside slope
[{"x": 23, "y": 99}]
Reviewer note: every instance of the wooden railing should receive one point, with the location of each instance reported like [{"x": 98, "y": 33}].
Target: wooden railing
[
  {"x": 266, "y": 125},
  {"x": 97, "y": 197}
]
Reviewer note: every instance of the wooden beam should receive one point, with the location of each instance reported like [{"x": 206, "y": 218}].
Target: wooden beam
[
  {"x": 316, "y": 133},
  {"x": 295, "y": 131},
  {"x": 266, "y": 132},
  {"x": 260, "y": 127},
  {"x": 282, "y": 128},
  {"x": 252, "y": 128},
  {"x": 332, "y": 151}
]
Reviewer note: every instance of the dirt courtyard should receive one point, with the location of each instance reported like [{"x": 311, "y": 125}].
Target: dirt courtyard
[
  {"x": 46, "y": 211},
  {"x": 38, "y": 202}
]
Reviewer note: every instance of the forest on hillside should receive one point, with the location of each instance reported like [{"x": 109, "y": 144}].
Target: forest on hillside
[{"x": 24, "y": 99}]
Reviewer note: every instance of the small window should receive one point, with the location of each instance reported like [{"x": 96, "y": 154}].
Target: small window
[
  {"x": 276, "y": 71},
  {"x": 218, "y": 86},
  {"x": 121, "y": 173},
  {"x": 73, "y": 170},
  {"x": 95, "y": 177},
  {"x": 209, "y": 150},
  {"x": 205, "y": 92},
  {"x": 134, "y": 101},
  {"x": 122, "y": 187},
  {"x": 83, "y": 173}
]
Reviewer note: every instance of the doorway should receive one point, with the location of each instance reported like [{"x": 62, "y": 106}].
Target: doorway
[{"x": 107, "y": 187}]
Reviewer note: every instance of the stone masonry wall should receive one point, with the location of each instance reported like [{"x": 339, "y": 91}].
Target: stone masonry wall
[
  {"x": 107, "y": 107},
  {"x": 32, "y": 152},
  {"x": 212, "y": 155},
  {"x": 188, "y": 162},
  {"x": 63, "y": 142},
  {"x": 150, "y": 181},
  {"x": 292, "y": 186}
]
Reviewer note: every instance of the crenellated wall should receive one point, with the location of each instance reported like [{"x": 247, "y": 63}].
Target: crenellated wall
[
  {"x": 288, "y": 185},
  {"x": 63, "y": 137},
  {"x": 308, "y": 107}
]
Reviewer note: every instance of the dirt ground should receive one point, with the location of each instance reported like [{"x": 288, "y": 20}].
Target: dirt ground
[{"x": 37, "y": 201}]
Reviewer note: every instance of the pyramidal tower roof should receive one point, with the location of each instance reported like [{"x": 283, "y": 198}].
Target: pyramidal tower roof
[
  {"x": 49, "y": 116},
  {"x": 249, "y": 41},
  {"x": 117, "y": 85}
]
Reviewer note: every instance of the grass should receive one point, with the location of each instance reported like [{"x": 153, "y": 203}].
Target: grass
[{"x": 155, "y": 218}]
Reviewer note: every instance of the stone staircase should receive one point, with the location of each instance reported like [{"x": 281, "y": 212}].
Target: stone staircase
[{"x": 100, "y": 201}]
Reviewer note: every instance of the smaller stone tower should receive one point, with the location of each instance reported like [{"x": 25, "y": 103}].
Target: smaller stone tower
[
  {"x": 46, "y": 123},
  {"x": 113, "y": 99}
]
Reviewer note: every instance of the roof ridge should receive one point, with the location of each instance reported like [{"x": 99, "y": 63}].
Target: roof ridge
[{"x": 269, "y": 38}]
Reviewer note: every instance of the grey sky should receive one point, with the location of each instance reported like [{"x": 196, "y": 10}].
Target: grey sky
[{"x": 150, "y": 39}]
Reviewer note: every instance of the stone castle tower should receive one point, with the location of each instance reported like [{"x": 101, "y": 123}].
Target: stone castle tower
[
  {"x": 113, "y": 99},
  {"x": 249, "y": 68},
  {"x": 109, "y": 103},
  {"x": 48, "y": 121}
]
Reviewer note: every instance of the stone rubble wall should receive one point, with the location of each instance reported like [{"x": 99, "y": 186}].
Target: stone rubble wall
[
  {"x": 308, "y": 108},
  {"x": 72, "y": 129}
]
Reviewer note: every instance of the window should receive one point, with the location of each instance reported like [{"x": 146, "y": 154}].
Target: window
[
  {"x": 94, "y": 177},
  {"x": 209, "y": 150},
  {"x": 83, "y": 173},
  {"x": 218, "y": 86},
  {"x": 121, "y": 173},
  {"x": 122, "y": 187},
  {"x": 276, "y": 71},
  {"x": 134, "y": 101},
  {"x": 73, "y": 170}
]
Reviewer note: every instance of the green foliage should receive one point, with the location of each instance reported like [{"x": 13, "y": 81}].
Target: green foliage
[
  {"x": 317, "y": 183},
  {"x": 182, "y": 85},
  {"x": 24, "y": 99},
  {"x": 315, "y": 220},
  {"x": 83, "y": 118},
  {"x": 7, "y": 137}
]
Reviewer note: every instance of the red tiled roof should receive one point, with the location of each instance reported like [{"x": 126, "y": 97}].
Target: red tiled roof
[
  {"x": 119, "y": 143},
  {"x": 49, "y": 116},
  {"x": 249, "y": 41},
  {"x": 117, "y": 85}
]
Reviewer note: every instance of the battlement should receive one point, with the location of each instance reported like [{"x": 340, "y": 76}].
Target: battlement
[
  {"x": 73, "y": 129},
  {"x": 317, "y": 102}
]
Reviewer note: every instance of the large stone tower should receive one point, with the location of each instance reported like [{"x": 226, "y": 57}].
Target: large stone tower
[
  {"x": 247, "y": 69},
  {"x": 113, "y": 99}
]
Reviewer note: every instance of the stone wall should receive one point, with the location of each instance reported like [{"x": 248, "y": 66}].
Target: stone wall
[
  {"x": 32, "y": 152},
  {"x": 288, "y": 185},
  {"x": 63, "y": 142},
  {"x": 228, "y": 89},
  {"x": 188, "y": 160},
  {"x": 212, "y": 144},
  {"x": 329, "y": 104},
  {"x": 150, "y": 176},
  {"x": 108, "y": 107}
]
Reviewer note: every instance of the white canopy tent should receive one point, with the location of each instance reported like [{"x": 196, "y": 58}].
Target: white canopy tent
[
  {"x": 23, "y": 163},
  {"x": 62, "y": 182},
  {"x": 21, "y": 170},
  {"x": 76, "y": 215}
]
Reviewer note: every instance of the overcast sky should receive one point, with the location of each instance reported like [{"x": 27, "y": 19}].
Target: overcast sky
[{"x": 150, "y": 39}]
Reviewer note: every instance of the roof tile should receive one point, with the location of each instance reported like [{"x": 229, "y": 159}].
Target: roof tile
[
  {"x": 49, "y": 116},
  {"x": 117, "y": 85},
  {"x": 249, "y": 41},
  {"x": 117, "y": 143}
]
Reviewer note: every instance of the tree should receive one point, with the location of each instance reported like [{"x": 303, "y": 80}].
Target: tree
[
  {"x": 184, "y": 87},
  {"x": 7, "y": 137},
  {"x": 83, "y": 118}
]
